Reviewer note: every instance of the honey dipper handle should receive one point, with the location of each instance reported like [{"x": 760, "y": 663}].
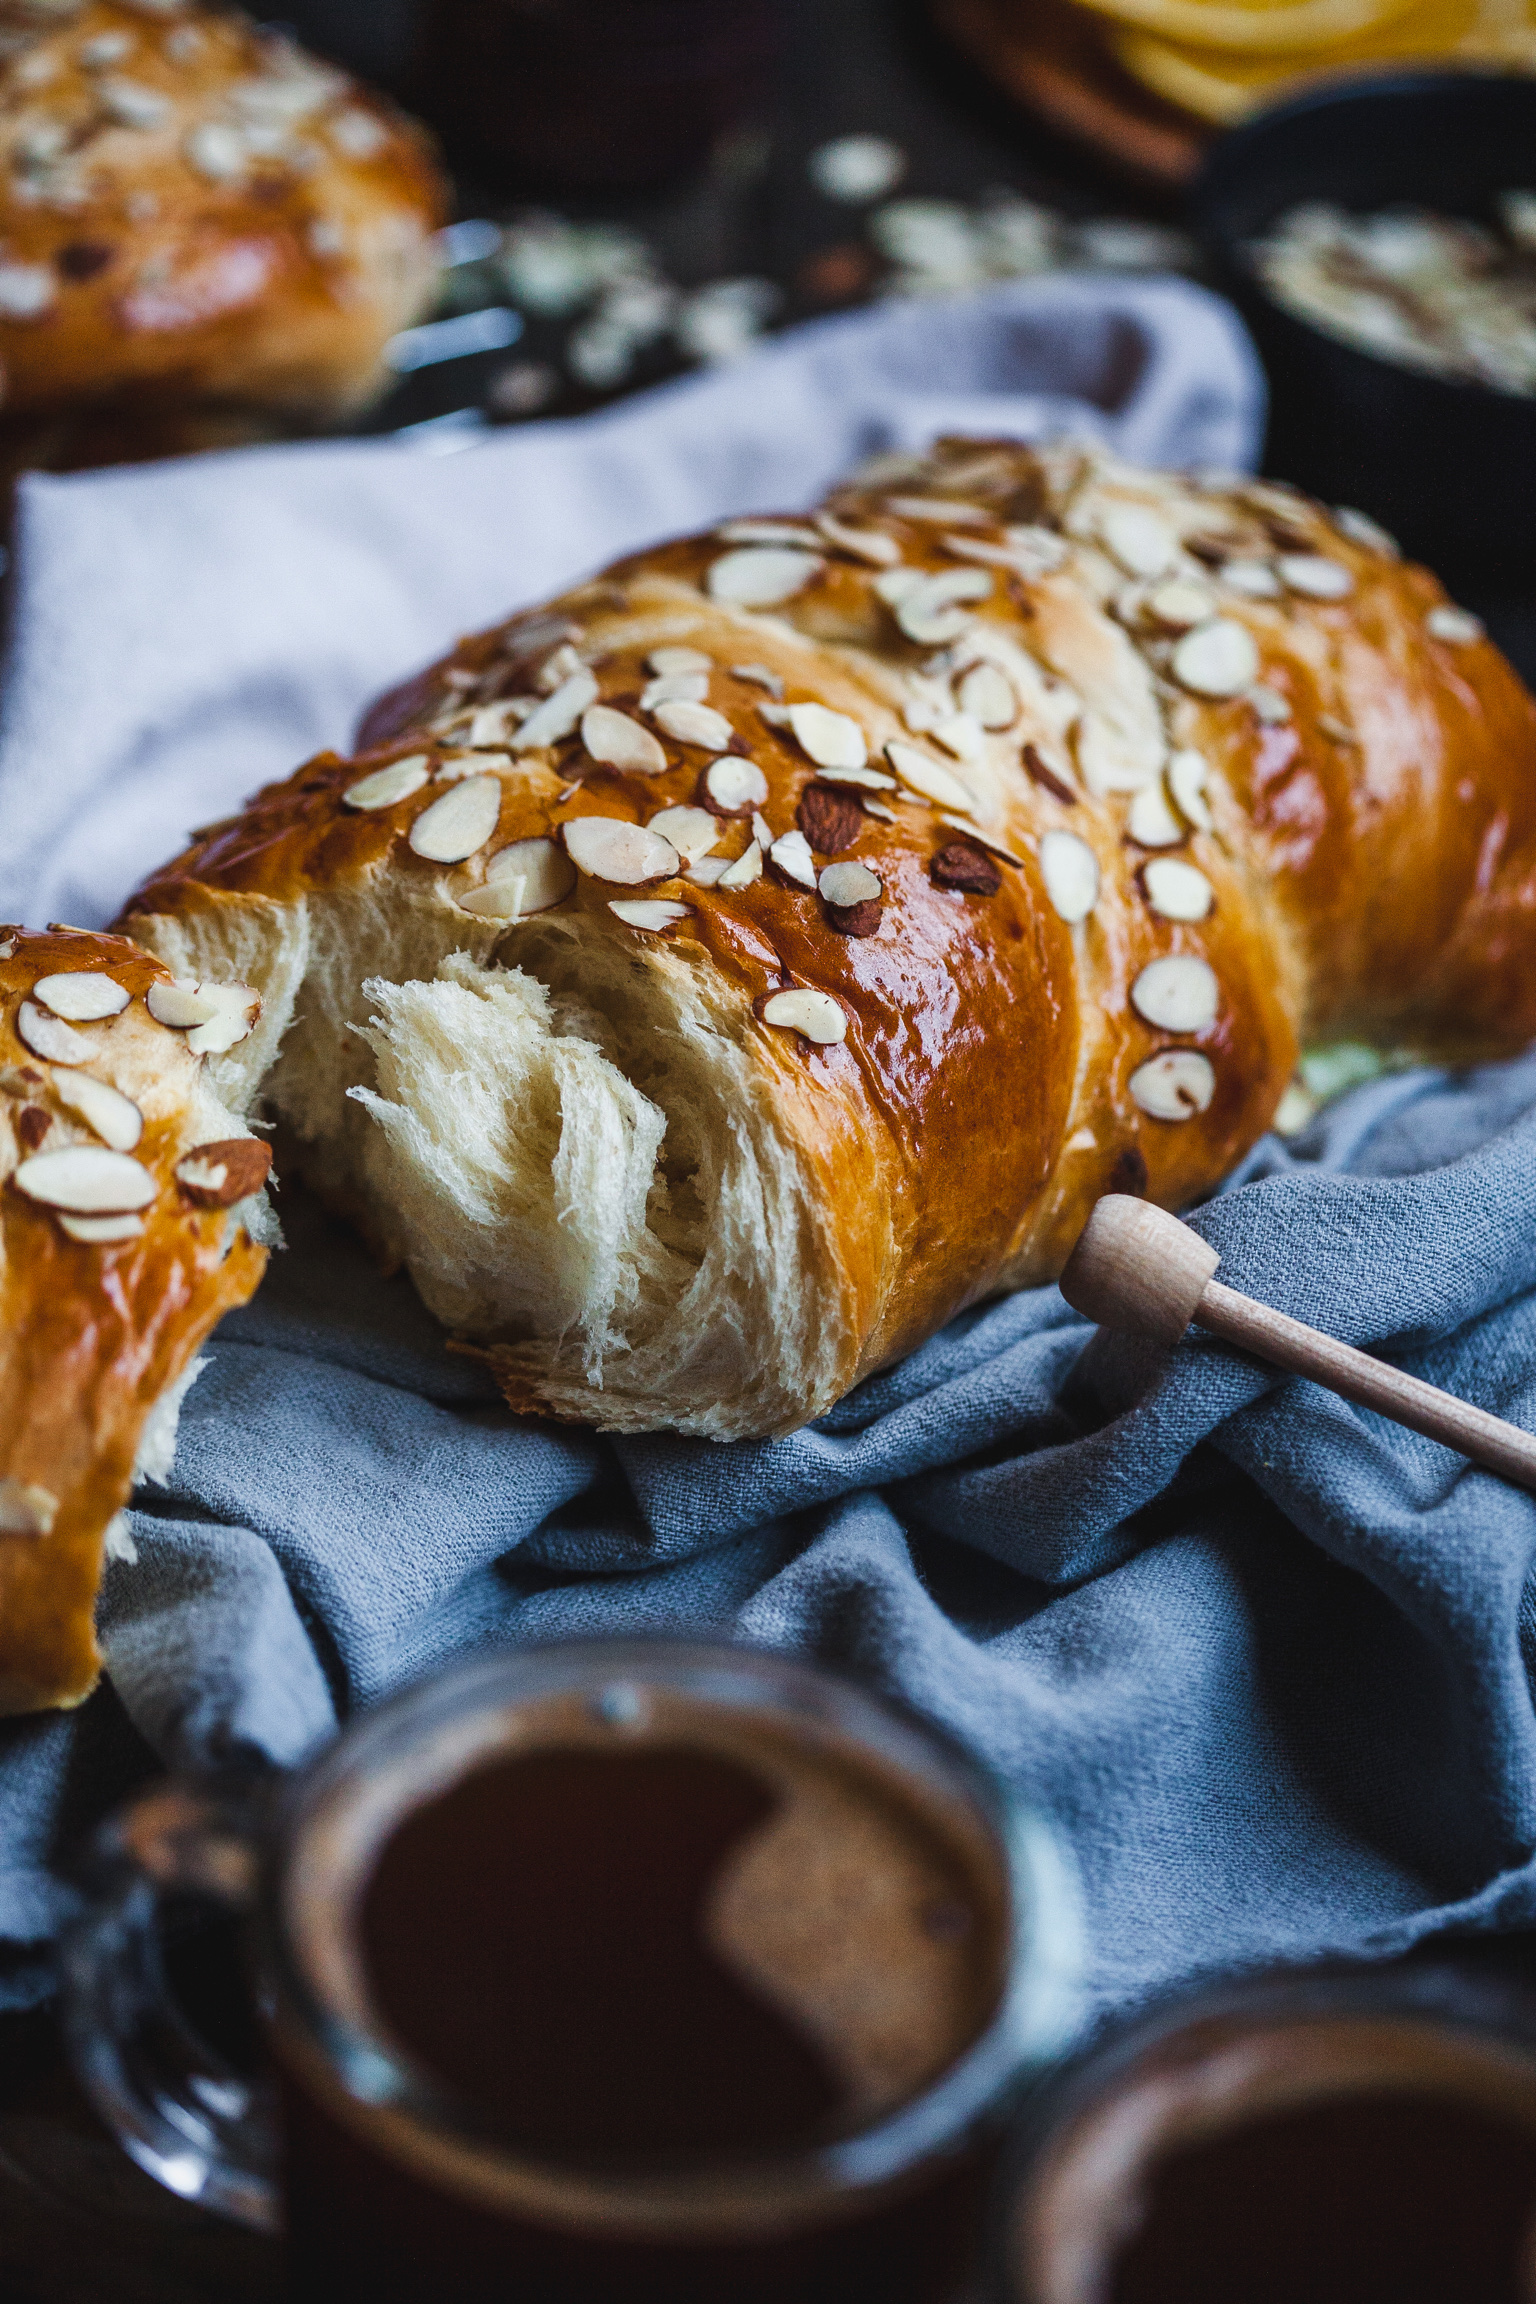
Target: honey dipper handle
[
  {"x": 1139, "y": 1268},
  {"x": 1287, "y": 1343}
]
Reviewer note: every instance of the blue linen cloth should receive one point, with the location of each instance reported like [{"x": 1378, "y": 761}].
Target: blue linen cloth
[{"x": 1261, "y": 1654}]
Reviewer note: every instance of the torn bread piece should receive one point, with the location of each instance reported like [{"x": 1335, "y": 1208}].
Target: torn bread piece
[{"x": 112, "y": 1272}]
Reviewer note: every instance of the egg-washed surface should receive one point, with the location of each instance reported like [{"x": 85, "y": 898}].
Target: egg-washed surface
[
  {"x": 195, "y": 217},
  {"x": 708, "y": 984},
  {"x": 131, "y": 1217}
]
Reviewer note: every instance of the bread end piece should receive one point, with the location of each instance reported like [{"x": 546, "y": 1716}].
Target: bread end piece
[{"x": 102, "y": 1306}]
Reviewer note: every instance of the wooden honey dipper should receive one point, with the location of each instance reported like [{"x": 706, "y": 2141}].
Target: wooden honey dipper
[{"x": 1138, "y": 1268}]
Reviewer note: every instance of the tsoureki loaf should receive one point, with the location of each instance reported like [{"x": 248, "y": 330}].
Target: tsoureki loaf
[
  {"x": 709, "y": 983},
  {"x": 131, "y": 1218},
  {"x": 204, "y": 232}
]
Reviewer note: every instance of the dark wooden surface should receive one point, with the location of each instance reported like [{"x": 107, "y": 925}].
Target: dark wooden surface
[{"x": 78, "y": 2223}]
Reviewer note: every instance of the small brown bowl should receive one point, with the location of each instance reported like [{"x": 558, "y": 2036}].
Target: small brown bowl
[{"x": 1344, "y": 2138}]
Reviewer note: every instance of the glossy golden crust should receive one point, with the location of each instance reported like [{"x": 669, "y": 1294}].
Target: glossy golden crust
[
  {"x": 96, "y": 1331},
  {"x": 1359, "y": 811},
  {"x": 194, "y": 216}
]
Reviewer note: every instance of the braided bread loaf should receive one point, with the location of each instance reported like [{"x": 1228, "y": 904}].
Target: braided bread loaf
[
  {"x": 708, "y": 984},
  {"x": 203, "y": 231},
  {"x": 130, "y": 1220}
]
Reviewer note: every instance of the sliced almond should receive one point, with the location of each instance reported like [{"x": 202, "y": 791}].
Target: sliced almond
[
  {"x": 747, "y": 868},
  {"x": 814, "y": 1015},
  {"x": 115, "y": 1117},
  {"x": 939, "y": 511},
  {"x": 791, "y": 532},
  {"x": 1175, "y": 1085},
  {"x": 101, "y": 1231},
  {"x": 559, "y": 666},
  {"x": 1176, "y": 890},
  {"x": 1360, "y": 528},
  {"x": 708, "y": 871},
  {"x": 870, "y": 544},
  {"x": 460, "y": 823},
  {"x": 1254, "y": 579},
  {"x": 760, "y": 576},
  {"x": 960, "y": 735},
  {"x": 935, "y": 610},
  {"x": 1178, "y": 604},
  {"x": 1070, "y": 870},
  {"x": 86, "y": 1180},
  {"x": 847, "y": 884},
  {"x": 384, "y": 787},
  {"x": 985, "y": 695},
  {"x": 734, "y": 786},
  {"x": 1457, "y": 625},
  {"x": 760, "y": 676},
  {"x": 1216, "y": 659},
  {"x": 179, "y": 1003},
  {"x": 615, "y": 741},
  {"x": 214, "y": 1016},
  {"x": 698, "y": 724},
  {"x": 664, "y": 660},
  {"x": 927, "y": 777},
  {"x": 1053, "y": 776},
  {"x": 792, "y": 854},
  {"x": 1314, "y": 577},
  {"x": 1187, "y": 774},
  {"x": 1036, "y": 552},
  {"x": 46, "y": 1037},
  {"x": 989, "y": 555},
  {"x": 558, "y": 715},
  {"x": 650, "y": 913},
  {"x": 994, "y": 847},
  {"x": 1177, "y": 994},
  {"x": 217, "y": 1175},
  {"x": 1143, "y": 543},
  {"x": 26, "y": 1509},
  {"x": 674, "y": 688},
  {"x": 866, "y": 779},
  {"x": 692, "y": 831},
  {"x": 761, "y": 832},
  {"x": 235, "y": 1010},
  {"x": 895, "y": 584},
  {"x": 1152, "y": 823},
  {"x": 84, "y": 996},
  {"x": 964, "y": 869},
  {"x": 1114, "y": 757},
  {"x": 1214, "y": 546},
  {"x": 492, "y": 726},
  {"x": 453, "y": 770},
  {"x": 831, "y": 739},
  {"x": 527, "y": 876},
  {"x": 830, "y": 819},
  {"x": 1269, "y": 707},
  {"x": 608, "y": 848}
]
